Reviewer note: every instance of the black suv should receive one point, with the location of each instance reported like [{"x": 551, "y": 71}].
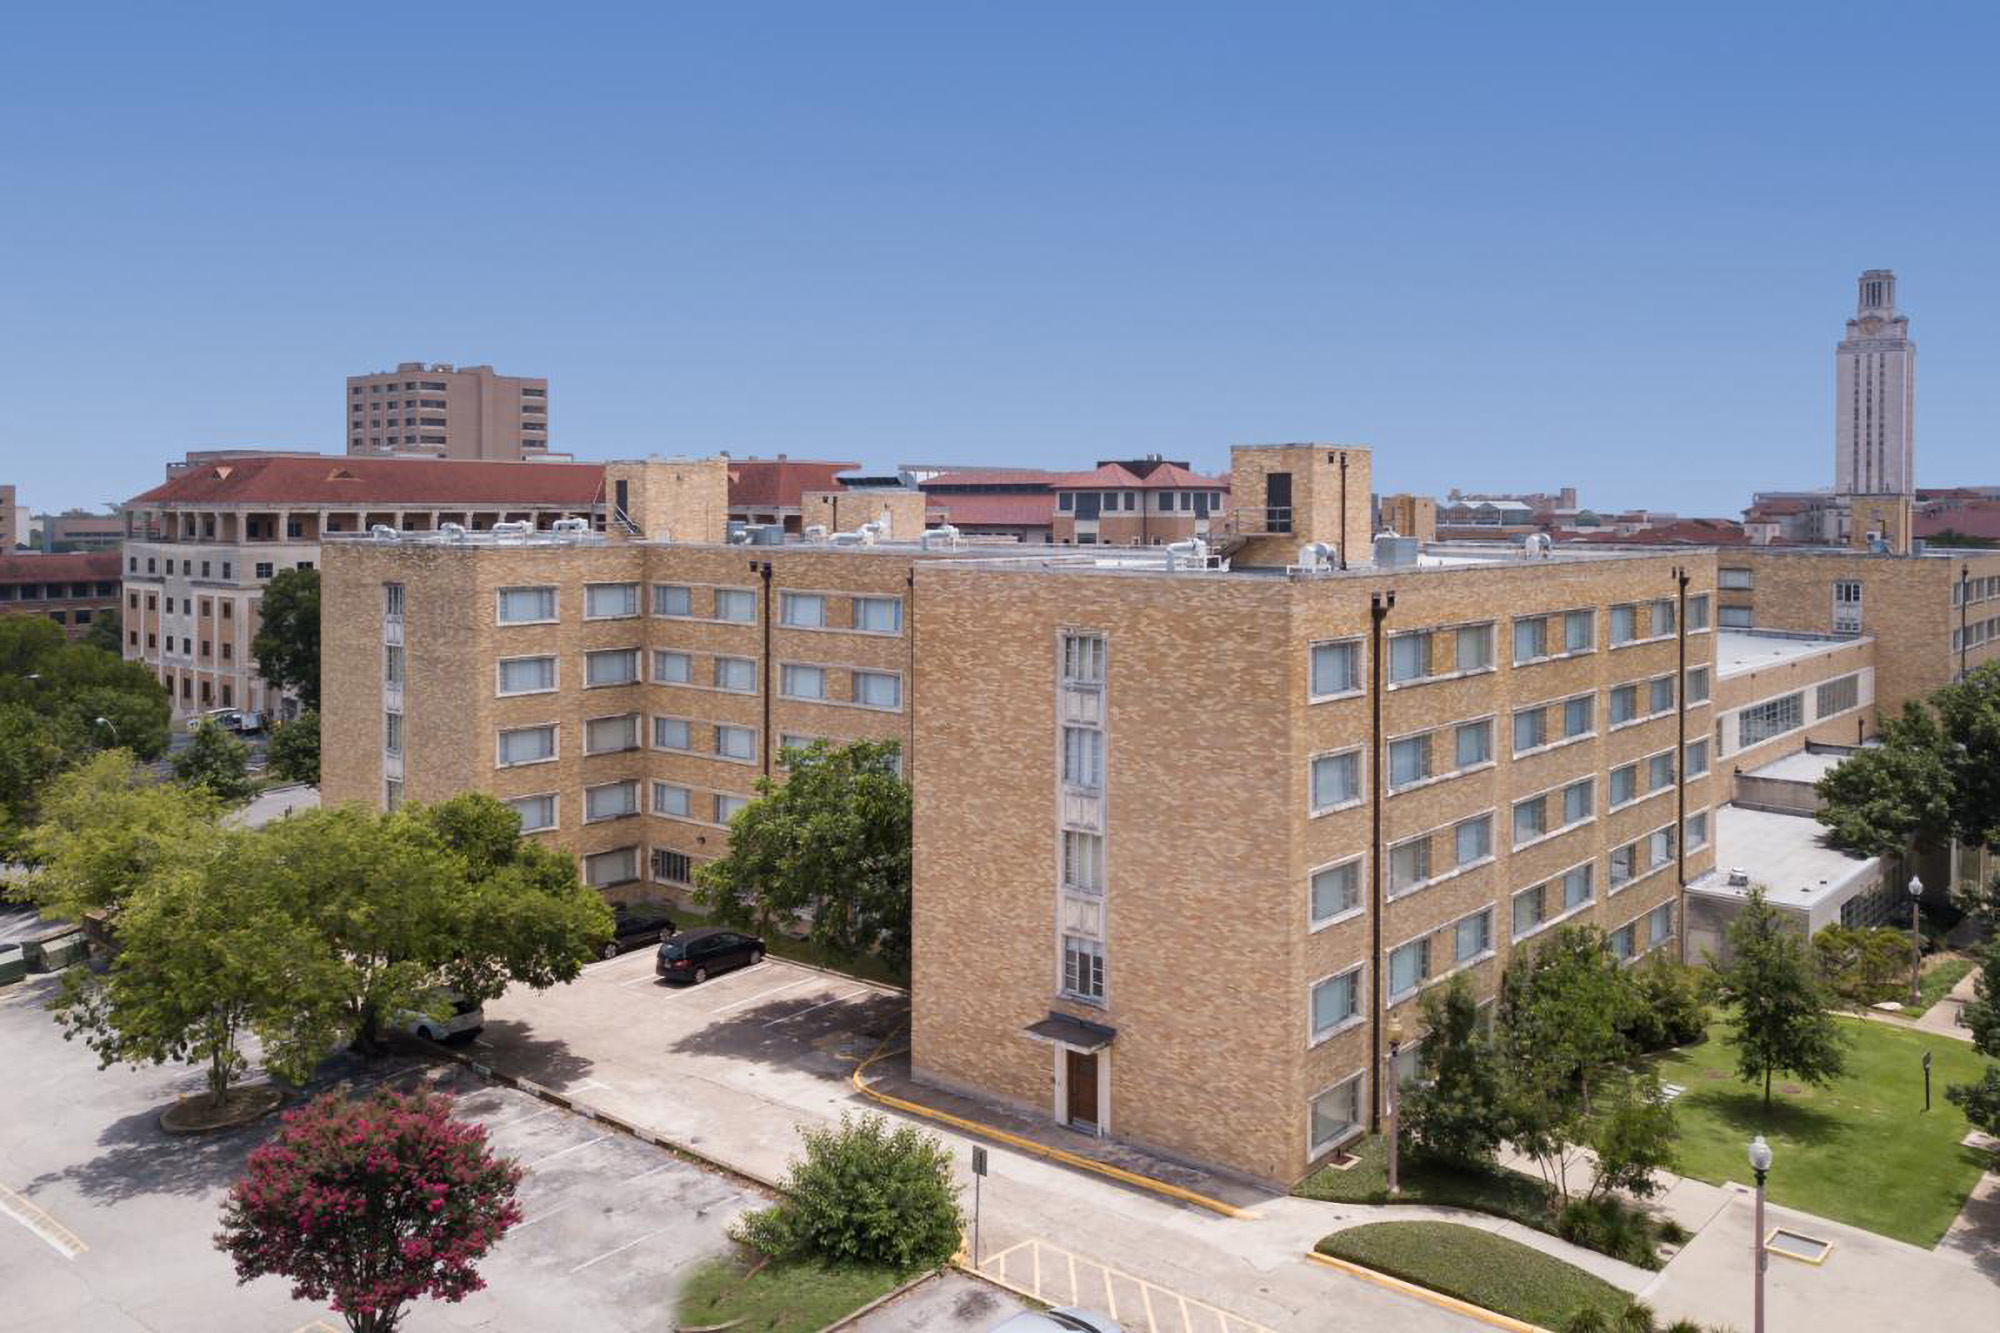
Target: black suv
[
  {"x": 696, "y": 955},
  {"x": 634, "y": 924}
]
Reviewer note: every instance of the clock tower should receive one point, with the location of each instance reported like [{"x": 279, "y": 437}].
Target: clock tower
[{"x": 1875, "y": 390}]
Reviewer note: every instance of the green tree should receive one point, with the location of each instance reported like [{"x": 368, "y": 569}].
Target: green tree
[
  {"x": 1779, "y": 1020},
  {"x": 107, "y": 831},
  {"x": 216, "y": 762},
  {"x": 107, "y": 632},
  {"x": 827, "y": 851},
  {"x": 1981, "y": 1103},
  {"x": 287, "y": 642},
  {"x": 1632, "y": 1137},
  {"x": 1882, "y": 800},
  {"x": 29, "y": 756},
  {"x": 1670, "y": 1003},
  {"x": 1982, "y": 1016},
  {"x": 1863, "y": 966},
  {"x": 1453, "y": 1112},
  {"x": 293, "y": 753},
  {"x": 864, "y": 1194},
  {"x": 205, "y": 956}
]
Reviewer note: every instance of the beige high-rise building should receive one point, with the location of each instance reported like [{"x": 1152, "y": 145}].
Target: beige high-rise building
[
  {"x": 14, "y": 520},
  {"x": 434, "y": 410}
]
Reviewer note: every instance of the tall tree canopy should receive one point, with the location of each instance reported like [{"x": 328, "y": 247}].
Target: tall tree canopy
[
  {"x": 293, "y": 753},
  {"x": 287, "y": 642},
  {"x": 216, "y": 762},
  {"x": 1780, "y": 1021},
  {"x": 107, "y": 831}
]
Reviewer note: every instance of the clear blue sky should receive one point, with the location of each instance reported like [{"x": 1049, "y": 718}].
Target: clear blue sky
[{"x": 1520, "y": 246}]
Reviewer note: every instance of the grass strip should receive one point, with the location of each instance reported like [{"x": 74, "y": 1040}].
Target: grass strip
[
  {"x": 778, "y": 1297},
  {"x": 1488, "y": 1270},
  {"x": 1936, "y": 983}
]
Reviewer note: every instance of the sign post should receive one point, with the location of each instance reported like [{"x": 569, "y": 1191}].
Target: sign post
[
  {"x": 979, "y": 1174},
  {"x": 1927, "y": 1080}
]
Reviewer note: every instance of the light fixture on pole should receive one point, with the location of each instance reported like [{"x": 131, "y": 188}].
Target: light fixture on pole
[
  {"x": 1916, "y": 943},
  {"x": 1395, "y": 1035},
  {"x": 107, "y": 724},
  {"x": 1760, "y": 1162}
]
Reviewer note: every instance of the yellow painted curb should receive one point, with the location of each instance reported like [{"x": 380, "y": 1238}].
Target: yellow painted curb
[
  {"x": 1042, "y": 1150},
  {"x": 1437, "y": 1298}
]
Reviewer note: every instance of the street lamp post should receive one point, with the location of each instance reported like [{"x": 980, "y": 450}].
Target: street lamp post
[
  {"x": 107, "y": 724},
  {"x": 1395, "y": 1035},
  {"x": 1760, "y": 1162},
  {"x": 1916, "y": 942}
]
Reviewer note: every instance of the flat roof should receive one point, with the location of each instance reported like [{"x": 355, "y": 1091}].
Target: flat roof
[
  {"x": 1804, "y": 766},
  {"x": 1740, "y": 650},
  {"x": 1785, "y": 854}
]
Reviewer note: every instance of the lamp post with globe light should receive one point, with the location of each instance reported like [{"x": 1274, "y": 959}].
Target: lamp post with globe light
[
  {"x": 1760, "y": 1162},
  {"x": 1916, "y": 943}
]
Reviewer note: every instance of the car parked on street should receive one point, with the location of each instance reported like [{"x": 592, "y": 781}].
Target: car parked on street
[
  {"x": 1062, "y": 1320},
  {"x": 444, "y": 1016},
  {"x": 634, "y": 924},
  {"x": 696, "y": 955}
]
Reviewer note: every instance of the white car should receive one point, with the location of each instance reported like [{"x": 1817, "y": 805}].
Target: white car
[
  {"x": 1062, "y": 1320},
  {"x": 461, "y": 1018}
]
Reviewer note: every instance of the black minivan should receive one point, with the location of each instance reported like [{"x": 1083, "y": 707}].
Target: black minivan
[{"x": 697, "y": 955}]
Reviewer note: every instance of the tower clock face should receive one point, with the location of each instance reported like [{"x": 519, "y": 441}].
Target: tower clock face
[{"x": 1872, "y": 325}]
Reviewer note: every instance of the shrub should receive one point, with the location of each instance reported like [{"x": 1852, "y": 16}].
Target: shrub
[
  {"x": 1587, "y": 1319},
  {"x": 1672, "y": 1008},
  {"x": 1863, "y": 966},
  {"x": 1609, "y": 1226},
  {"x": 863, "y": 1194}
]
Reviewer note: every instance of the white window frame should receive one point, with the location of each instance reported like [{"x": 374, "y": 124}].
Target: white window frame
[
  {"x": 1314, "y": 923},
  {"x": 637, "y": 721},
  {"x": 895, "y": 603},
  {"x": 1356, "y": 1014},
  {"x": 638, "y": 674},
  {"x": 791, "y": 598},
  {"x": 856, "y": 676},
  {"x": 720, "y": 728},
  {"x": 1355, "y": 644},
  {"x": 623, "y": 784},
  {"x": 638, "y": 600},
  {"x": 500, "y": 691},
  {"x": 555, "y": 604},
  {"x": 555, "y": 810},
  {"x": 555, "y": 744},
  {"x": 1358, "y": 1082},
  {"x": 786, "y": 678}
]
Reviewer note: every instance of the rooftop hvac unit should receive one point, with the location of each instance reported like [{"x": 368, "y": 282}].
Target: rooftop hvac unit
[
  {"x": 382, "y": 532},
  {"x": 455, "y": 531},
  {"x": 1393, "y": 552},
  {"x": 815, "y": 532},
  {"x": 737, "y": 532},
  {"x": 511, "y": 528},
  {"x": 1739, "y": 878},
  {"x": 767, "y": 534}
]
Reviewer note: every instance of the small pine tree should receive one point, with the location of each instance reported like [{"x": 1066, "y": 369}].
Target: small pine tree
[{"x": 1779, "y": 1022}]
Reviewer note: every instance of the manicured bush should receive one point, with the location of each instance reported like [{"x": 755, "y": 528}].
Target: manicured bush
[
  {"x": 864, "y": 1194},
  {"x": 1672, "y": 1008}
]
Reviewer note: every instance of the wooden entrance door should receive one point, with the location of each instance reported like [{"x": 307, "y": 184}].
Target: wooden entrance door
[{"x": 1082, "y": 1079}]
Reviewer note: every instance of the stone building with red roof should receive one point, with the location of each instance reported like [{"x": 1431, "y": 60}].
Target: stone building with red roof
[
  {"x": 72, "y": 590},
  {"x": 1138, "y": 502}
]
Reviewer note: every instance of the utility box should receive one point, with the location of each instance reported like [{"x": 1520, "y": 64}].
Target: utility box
[
  {"x": 55, "y": 953},
  {"x": 12, "y": 965}
]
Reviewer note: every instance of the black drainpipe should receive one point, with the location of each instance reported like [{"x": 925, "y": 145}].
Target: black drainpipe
[
  {"x": 1964, "y": 605},
  {"x": 1379, "y": 604},
  {"x": 763, "y": 568},
  {"x": 910, "y": 676},
  {"x": 1680, "y": 767},
  {"x": 1340, "y": 555}
]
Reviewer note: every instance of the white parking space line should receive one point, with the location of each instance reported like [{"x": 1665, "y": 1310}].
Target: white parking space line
[
  {"x": 651, "y": 1171},
  {"x": 522, "y": 1119},
  {"x": 543, "y": 1217},
  {"x": 49, "y": 1231},
  {"x": 586, "y": 1085},
  {"x": 763, "y": 994},
  {"x": 598, "y": 1259},
  {"x": 575, "y": 1147},
  {"x": 838, "y": 999}
]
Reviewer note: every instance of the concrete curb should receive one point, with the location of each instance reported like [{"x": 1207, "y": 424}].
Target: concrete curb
[
  {"x": 852, "y": 1317},
  {"x": 1423, "y": 1293}
]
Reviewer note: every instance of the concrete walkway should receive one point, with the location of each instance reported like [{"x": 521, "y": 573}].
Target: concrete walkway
[{"x": 1943, "y": 1017}]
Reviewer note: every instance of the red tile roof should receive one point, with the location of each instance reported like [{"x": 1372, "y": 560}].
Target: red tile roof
[
  {"x": 1022, "y": 511},
  {"x": 1680, "y": 532},
  {"x": 308, "y": 479},
  {"x": 1967, "y": 521},
  {"x": 994, "y": 477},
  {"x": 777, "y": 483},
  {"x": 1165, "y": 477},
  {"x": 80, "y": 565}
]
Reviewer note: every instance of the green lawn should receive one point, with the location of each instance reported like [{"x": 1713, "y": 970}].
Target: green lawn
[
  {"x": 1937, "y": 981},
  {"x": 1863, "y": 1151},
  {"x": 778, "y": 1298},
  {"x": 1477, "y": 1266},
  {"x": 1501, "y": 1192}
]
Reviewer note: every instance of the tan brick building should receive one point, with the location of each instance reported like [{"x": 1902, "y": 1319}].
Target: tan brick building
[
  {"x": 72, "y": 590},
  {"x": 432, "y": 410},
  {"x": 1138, "y": 502}
]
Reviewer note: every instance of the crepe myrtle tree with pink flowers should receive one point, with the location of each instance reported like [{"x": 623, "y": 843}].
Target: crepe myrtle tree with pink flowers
[{"x": 372, "y": 1204}]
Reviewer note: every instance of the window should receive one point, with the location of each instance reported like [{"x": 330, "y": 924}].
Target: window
[
  {"x": 1083, "y": 659},
  {"x": 878, "y": 615},
  {"x": 392, "y": 792},
  {"x": 1083, "y": 968},
  {"x": 620, "y": 866},
  {"x": 1474, "y": 648},
  {"x": 796, "y": 681},
  {"x": 1837, "y": 696},
  {"x": 1409, "y": 967},
  {"x": 1473, "y": 743},
  {"x": 878, "y": 689},
  {"x": 527, "y": 675},
  {"x": 1624, "y": 942},
  {"x": 1335, "y": 891},
  {"x": 735, "y": 742},
  {"x": 1624, "y": 784},
  {"x": 736, "y": 604},
  {"x": 1530, "y": 729},
  {"x": 392, "y": 663},
  {"x": 1579, "y": 716},
  {"x": 264, "y": 572},
  {"x": 670, "y": 800},
  {"x": 612, "y": 666},
  {"x": 1530, "y": 909},
  {"x": 1409, "y": 657},
  {"x": 1624, "y": 703},
  {"x": 1697, "y": 758},
  {"x": 1334, "y": 1115},
  {"x": 524, "y": 606},
  {"x": 1659, "y": 925},
  {"x": 1659, "y": 848},
  {"x": 537, "y": 812},
  {"x": 1697, "y": 685},
  {"x": 671, "y": 600},
  {"x": 1576, "y": 888},
  {"x": 1733, "y": 617},
  {"x": 1336, "y": 668},
  {"x": 608, "y": 735},
  {"x": 610, "y": 601},
  {"x": 527, "y": 745},
  {"x": 1531, "y": 635},
  {"x": 613, "y": 800},
  {"x": 1663, "y": 617},
  {"x": 392, "y": 733},
  {"x": 1531, "y": 819},
  {"x": 1732, "y": 578},
  {"x": 671, "y": 733},
  {"x": 727, "y": 806},
  {"x": 1083, "y": 758},
  {"x": 1660, "y": 694},
  {"x": 1409, "y": 865},
  {"x": 1624, "y": 861},
  {"x": 736, "y": 674},
  {"x": 1624, "y": 624},
  {"x": 1472, "y": 840},
  {"x": 1335, "y": 1003},
  {"x": 1659, "y": 772},
  {"x": 1472, "y": 937},
  {"x": 1773, "y": 717},
  {"x": 1697, "y": 830},
  {"x": 1336, "y": 779},
  {"x": 1577, "y": 800},
  {"x": 1409, "y": 760},
  {"x": 802, "y": 610},
  {"x": 1697, "y": 612},
  {"x": 1082, "y": 861},
  {"x": 671, "y": 668}
]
